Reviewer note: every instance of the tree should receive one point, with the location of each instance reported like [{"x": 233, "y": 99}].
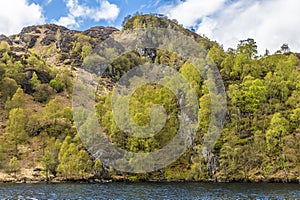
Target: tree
[
  {"x": 254, "y": 93},
  {"x": 34, "y": 81},
  {"x": 228, "y": 156},
  {"x": 52, "y": 110},
  {"x": 205, "y": 112},
  {"x": 73, "y": 163},
  {"x": 42, "y": 93},
  {"x": 190, "y": 73},
  {"x": 17, "y": 101},
  {"x": 277, "y": 130},
  {"x": 215, "y": 55},
  {"x": 84, "y": 163},
  {"x": 15, "y": 130},
  {"x": 4, "y": 46},
  {"x": 247, "y": 47},
  {"x": 8, "y": 87},
  {"x": 67, "y": 161},
  {"x": 227, "y": 65},
  {"x": 267, "y": 52},
  {"x": 85, "y": 51},
  {"x": 14, "y": 166},
  {"x": 58, "y": 86},
  {"x": 285, "y": 48},
  {"x": 295, "y": 117},
  {"x": 14, "y": 70},
  {"x": 64, "y": 78},
  {"x": 98, "y": 169},
  {"x": 34, "y": 61},
  {"x": 49, "y": 162},
  {"x": 64, "y": 146},
  {"x": 50, "y": 158},
  {"x": 83, "y": 45},
  {"x": 126, "y": 18}
]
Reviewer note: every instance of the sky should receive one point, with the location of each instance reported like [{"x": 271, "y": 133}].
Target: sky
[{"x": 270, "y": 23}]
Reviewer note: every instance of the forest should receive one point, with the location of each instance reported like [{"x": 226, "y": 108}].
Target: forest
[{"x": 260, "y": 140}]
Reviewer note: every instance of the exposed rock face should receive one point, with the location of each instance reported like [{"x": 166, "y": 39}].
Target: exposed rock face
[
  {"x": 100, "y": 32},
  {"x": 52, "y": 43},
  {"x": 4, "y": 38},
  {"x": 47, "y": 34},
  {"x": 59, "y": 38},
  {"x": 67, "y": 38}
]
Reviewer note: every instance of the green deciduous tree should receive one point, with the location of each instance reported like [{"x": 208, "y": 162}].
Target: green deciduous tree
[
  {"x": 84, "y": 164},
  {"x": 50, "y": 158},
  {"x": 98, "y": 168},
  {"x": 17, "y": 101},
  {"x": 247, "y": 47},
  {"x": 49, "y": 162},
  {"x": 58, "y": 86},
  {"x": 73, "y": 163},
  {"x": 277, "y": 130},
  {"x": 34, "y": 81},
  {"x": 14, "y": 166},
  {"x": 15, "y": 130},
  {"x": 8, "y": 87},
  {"x": 42, "y": 93}
]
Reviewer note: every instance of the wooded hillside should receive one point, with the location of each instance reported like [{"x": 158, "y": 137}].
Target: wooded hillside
[{"x": 38, "y": 139}]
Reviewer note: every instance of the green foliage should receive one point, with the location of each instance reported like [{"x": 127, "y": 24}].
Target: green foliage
[
  {"x": 34, "y": 61},
  {"x": 34, "y": 81},
  {"x": 42, "y": 93},
  {"x": 64, "y": 81},
  {"x": 192, "y": 75},
  {"x": 84, "y": 164},
  {"x": 74, "y": 163},
  {"x": 49, "y": 162},
  {"x": 98, "y": 169},
  {"x": 247, "y": 47},
  {"x": 4, "y": 46},
  {"x": 8, "y": 88},
  {"x": 58, "y": 86},
  {"x": 260, "y": 140},
  {"x": 17, "y": 101},
  {"x": 215, "y": 55},
  {"x": 15, "y": 130},
  {"x": 83, "y": 45},
  {"x": 85, "y": 51},
  {"x": 14, "y": 166},
  {"x": 50, "y": 156},
  {"x": 277, "y": 130},
  {"x": 123, "y": 64},
  {"x": 140, "y": 111}
]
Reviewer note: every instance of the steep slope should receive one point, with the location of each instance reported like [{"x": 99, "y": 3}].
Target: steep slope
[{"x": 39, "y": 141}]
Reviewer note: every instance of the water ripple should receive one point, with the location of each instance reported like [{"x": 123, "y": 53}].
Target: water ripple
[{"x": 165, "y": 191}]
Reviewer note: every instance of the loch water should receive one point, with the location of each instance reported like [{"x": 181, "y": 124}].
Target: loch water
[{"x": 181, "y": 190}]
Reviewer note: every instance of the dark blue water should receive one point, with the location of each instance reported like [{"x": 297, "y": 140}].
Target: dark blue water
[{"x": 150, "y": 191}]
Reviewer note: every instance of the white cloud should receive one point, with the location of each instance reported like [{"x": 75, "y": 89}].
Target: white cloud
[
  {"x": 15, "y": 14},
  {"x": 79, "y": 12},
  {"x": 106, "y": 11},
  {"x": 68, "y": 21},
  {"x": 270, "y": 23},
  {"x": 190, "y": 12}
]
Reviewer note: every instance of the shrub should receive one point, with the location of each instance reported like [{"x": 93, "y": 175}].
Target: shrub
[{"x": 58, "y": 86}]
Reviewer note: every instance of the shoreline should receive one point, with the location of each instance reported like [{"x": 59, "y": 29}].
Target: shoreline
[{"x": 101, "y": 181}]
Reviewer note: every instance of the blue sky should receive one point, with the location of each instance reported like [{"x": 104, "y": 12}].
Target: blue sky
[
  {"x": 53, "y": 10},
  {"x": 269, "y": 22}
]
